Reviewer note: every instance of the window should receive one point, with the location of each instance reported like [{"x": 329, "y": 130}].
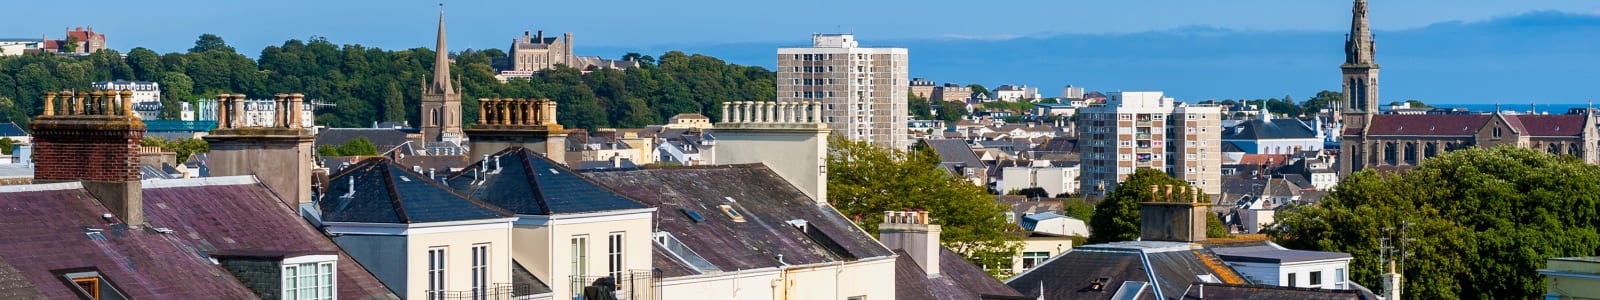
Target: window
[
  {"x": 614, "y": 256},
  {"x": 91, "y": 286},
  {"x": 1032, "y": 259},
  {"x": 1011, "y": 217},
  {"x": 580, "y": 255},
  {"x": 1338, "y": 278},
  {"x": 308, "y": 280},
  {"x": 1291, "y": 280},
  {"x": 480, "y": 272},
  {"x": 436, "y": 265},
  {"x": 1316, "y": 278}
]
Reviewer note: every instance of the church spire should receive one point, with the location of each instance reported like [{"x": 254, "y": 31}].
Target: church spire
[
  {"x": 1359, "y": 48},
  {"x": 441, "y": 61}
]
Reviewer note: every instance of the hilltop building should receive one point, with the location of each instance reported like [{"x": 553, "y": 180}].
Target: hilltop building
[
  {"x": 78, "y": 40},
  {"x": 863, "y": 90},
  {"x": 534, "y": 52},
  {"x": 1399, "y": 142}
]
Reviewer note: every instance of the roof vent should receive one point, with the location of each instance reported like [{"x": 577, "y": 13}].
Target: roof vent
[
  {"x": 799, "y": 224},
  {"x": 733, "y": 214},
  {"x": 1099, "y": 284}
]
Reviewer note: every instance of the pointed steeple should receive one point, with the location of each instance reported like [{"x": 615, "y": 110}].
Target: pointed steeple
[
  {"x": 441, "y": 62},
  {"x": 1359, "y": 48}
]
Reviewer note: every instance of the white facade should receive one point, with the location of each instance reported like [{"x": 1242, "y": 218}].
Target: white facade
[
  {"x": 570, "y": 250},
  {"x": 260, "y": 112},
  {"x": 1275, "y": 265},
  {"x": 1059, "y": 225},
  {"x": 863, "y": 89},
  {"x": 17, "y": 47},
  {"x": 867, "y": 278},
  {"x": 143, "y": 91},
  {"x": 1054, "y": 180},
  {"x": 1072, "y": 92}
]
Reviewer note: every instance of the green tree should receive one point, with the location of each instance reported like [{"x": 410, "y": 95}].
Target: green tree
[
  {"x": 1077, "y": 208},
  {"x": 1117, "y": 218},
  {"x": 71, "y": 44},
  {"x": 864, "y": 181},
  {"x": 951, "y": 111},
  {"x": 978, "y": 89},
  {"x": 1324, "y": 99},
  {"x": 6, "y": 144},
  {"x": 175, "y": 88},
  {"x": 210, "y": 42},
  {"x": 394, "y": 105},
  {"x": 146, "y": 64},
  {"x": 1482, "y": 221},
  {"x": 358, "y": 147},
  {"x": 920, "y": 108}
]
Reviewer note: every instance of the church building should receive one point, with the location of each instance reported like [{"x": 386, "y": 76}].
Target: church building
[{"x": 1396, "y": 142}]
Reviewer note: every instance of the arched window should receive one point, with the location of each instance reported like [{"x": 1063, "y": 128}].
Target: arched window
[{"x": 1411, "y": 153}]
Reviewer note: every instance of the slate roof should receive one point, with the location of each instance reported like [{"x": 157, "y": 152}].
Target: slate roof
[
  {"x": 1022, "y": 206},
  {"x": 49, "y": 227},
  {"x": 525, "y": 281},
  {"x": 957, "y": 279},
  {"x": 179, "y": 126},
  {"x": 1172, "y": 267},
  {"x": 377, "y": 190},
  {"x": 1429, "y": 125},
  {"x": 766, "y": 202},
  {"x": 1266, "y": 292},
  {"x": 1274, "y": 129},
  {"x": 1549, "y": 125},
  {"x": 1030, "y": 221},
  {"x": 385, "y": 139},
  {"x": 442, "y": 164},
  {"x": 528, "y": 183},
  {"x": 670, "y": 266},
  {"x": 1272, "y": 253},
  {"x": 955, "y": 151},
  {"x": 11, "y": 129}
]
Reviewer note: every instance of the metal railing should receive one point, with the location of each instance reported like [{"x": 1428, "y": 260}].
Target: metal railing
[
  {"x": 497, "y": 291},
  {"x": 629, "y": 285}
]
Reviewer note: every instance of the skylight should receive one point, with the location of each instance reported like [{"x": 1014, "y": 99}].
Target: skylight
[
  {"x": 693, "y": 215},
  {"x": 732, "y": 214}
]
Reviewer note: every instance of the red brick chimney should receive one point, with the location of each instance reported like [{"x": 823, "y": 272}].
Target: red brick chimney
[{"x": 92, "y": 138}]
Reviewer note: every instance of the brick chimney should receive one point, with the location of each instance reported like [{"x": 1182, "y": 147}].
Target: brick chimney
[
  {"x": 910, "y": 231},
  {"x": 92, "y": 138},
  {"x": 279, "y": 156},
  {"x": 789, "y": 137},
  {"x": 1174, "y": 214},
  {"x": 506, "y": 122}
]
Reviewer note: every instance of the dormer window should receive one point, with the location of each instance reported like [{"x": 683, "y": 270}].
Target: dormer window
[
  {"x": 91, "y": 285},
  {"x": 309, "y": 277}
]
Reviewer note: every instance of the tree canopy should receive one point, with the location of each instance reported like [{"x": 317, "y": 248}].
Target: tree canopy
[
  {"x": 368, "y": 85},
  {"x": 357, "y": 147},
  {"x": 1481, "y": 220},
  {"x": 1117, "y": 218},
  {"x": 864, "y": 181}
]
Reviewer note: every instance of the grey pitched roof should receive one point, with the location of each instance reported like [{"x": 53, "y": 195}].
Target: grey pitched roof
[
  {"x": 525, "y": 282},
  {"x": 385, "y": 139},
  {"x": 11, "y": 129},
  {"x": 955, "y": 151},
  {"x": 1170, "y": 266},
  {"x": 1258, "y": 129},
  {"x": 1272, "y": 254},
  {"x": 1029, "y": 221},
  {"x": 528, "y": 183},
  {"x": 377, "y": 190},
  {"x": 767, "y": 204},
  {"x": 957, "y": 279}
]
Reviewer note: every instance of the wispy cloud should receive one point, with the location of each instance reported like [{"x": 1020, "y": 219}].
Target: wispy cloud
[{"x": 993, "y": 37}]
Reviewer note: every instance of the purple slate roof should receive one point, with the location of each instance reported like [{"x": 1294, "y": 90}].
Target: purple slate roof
[
  {"x": 958, "y": 279},
  {"x": 1548, "y": 125},
  {"x": 48, "y": 227},
  {"x": 1425, "y": 125},
  {"x": 767, "y": 203}
]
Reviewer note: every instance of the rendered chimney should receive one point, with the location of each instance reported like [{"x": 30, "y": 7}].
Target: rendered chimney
[
  {"x": 506, "y": 122},
  {"x": 910, "y": 231},
  {"x": 1174, "y": 214},
  {"x": 279, "y": 156},
  {"x": 95, "y": 141},
  {"x": 789, "y": 137}
]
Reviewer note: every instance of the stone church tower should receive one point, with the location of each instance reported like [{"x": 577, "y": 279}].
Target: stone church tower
[
  {"x": 1360, "y": 73},
  {"x": 441, "y": 104}
]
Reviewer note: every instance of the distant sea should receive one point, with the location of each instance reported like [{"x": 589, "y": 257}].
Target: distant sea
[{"x": 1554, "y": 108}]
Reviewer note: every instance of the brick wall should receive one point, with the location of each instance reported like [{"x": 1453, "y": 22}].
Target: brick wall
[{"x": 67, "y": 149}]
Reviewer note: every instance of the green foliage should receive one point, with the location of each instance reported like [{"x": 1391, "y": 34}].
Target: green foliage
[
  {"x": 1077, "y": 208},
  {"x": 1019, "y": 107},
  {"x": 368, "y": 85},
  {"x": 1483, "y": 221},
  {"x": 952, "y": 111},
  {"x": 1033, "y": 192},
  {"x": 864, "y": 181},
  {"x": 183, "y": 147},
  {"x": 1116, "y": 218},
  {"x": 979, "y": 89},
  {"x": 71, "y": 45},
  {"x": 1321, "y": 101},
  {"x": 358, "y": 147},
  {"x": 6, "y": 144},
  {"x": 1215, "y": 228},
  {"x": 920, "y": 107}
]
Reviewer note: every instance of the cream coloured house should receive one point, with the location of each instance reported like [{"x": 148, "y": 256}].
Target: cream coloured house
[
  {"x": 422, "y": 239},
  {"x": 569, "y": 232}
]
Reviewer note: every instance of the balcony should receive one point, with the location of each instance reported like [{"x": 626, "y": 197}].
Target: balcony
[
  {"x": 633, "y": 285},
  {"x": 496, "y": 291}
]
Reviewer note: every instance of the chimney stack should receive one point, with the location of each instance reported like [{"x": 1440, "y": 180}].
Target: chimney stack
[
  {"x": 1175, "y": 214},
  {"x": 278, "y": 155},
  {"x": 506, "y": 122},
  {"x": 911, "y": 231},
  {"x": 98, "y": 147},
  {"x": 789, "y": 137}
]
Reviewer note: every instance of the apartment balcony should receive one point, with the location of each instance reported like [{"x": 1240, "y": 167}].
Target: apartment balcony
[
  {"x": 497, "y": 291},
  {"x": 1142, "y": 136},
  {"x": 631, "y": 285}
]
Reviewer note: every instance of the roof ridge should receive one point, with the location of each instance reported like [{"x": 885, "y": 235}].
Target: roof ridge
[
  {"x": 441, "y": 186},
  {"x": 394, "y": 194}
]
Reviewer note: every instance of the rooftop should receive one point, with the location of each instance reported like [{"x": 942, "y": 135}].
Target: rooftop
[
  {"x": 377, "y": 190},
  {"x": 528, "y": 183},
  {"x": 1272, "y": 253}
]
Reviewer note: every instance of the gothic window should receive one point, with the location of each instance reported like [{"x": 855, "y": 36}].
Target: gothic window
[
  {"x": 1390, "y": 151},
  {"x": 1496, "y": 132},
  {"x": 1554, "y": 148},
  {"x": 1575, "y": 149},
  {"x": 1411, "y": 154},
  {"x": 1431, "y": 150}
]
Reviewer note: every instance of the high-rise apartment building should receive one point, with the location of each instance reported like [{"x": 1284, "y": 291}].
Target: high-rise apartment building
[
  {"x": 863, "y": 90},
  {"x": 1134, "y": 130}
]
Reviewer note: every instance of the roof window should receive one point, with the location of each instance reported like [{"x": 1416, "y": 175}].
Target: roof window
[
  {"x": 91, "y": 285},
  {"x": 732, "y": 214}
]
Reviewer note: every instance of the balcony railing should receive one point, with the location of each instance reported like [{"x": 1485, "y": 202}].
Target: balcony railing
[
  {"x": 630, "y": 285},
  {"x": 497, "y": 291}
]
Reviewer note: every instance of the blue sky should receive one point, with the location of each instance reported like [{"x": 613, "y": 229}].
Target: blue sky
[{"x": 976, "y": 34}]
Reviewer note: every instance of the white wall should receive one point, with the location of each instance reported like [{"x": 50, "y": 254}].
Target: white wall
[
  {"x": 873, "y": 278},
  {"x": 546, "y": 250},
  {"x": 1278, "y": 274},
  {"x": 458, "y": 254}
]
